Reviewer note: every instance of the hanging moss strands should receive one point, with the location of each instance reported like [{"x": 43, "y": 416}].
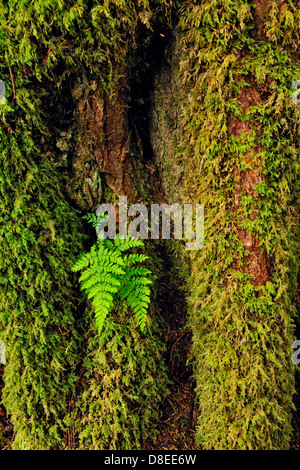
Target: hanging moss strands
[
  {"x": 39, "y": 235},
  {"x": 239, "y": 147}
]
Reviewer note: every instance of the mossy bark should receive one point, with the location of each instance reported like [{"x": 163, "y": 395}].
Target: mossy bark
[
  {"x": 54, "y": 167},
  {"x": 238, "y": 141},
  {"x": 123, "y": 372},
  {"x": 231, "y": 144}
]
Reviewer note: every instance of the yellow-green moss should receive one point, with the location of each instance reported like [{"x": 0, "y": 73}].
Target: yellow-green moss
[{"x": 242, "y": 333}]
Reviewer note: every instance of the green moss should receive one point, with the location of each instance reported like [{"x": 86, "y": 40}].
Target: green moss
[
  {"x": 242, "y": 334},
  {"x": 44, "y": 44},
  {"x": 39, "y": 235},
  {"x": 125, "y": 383}
]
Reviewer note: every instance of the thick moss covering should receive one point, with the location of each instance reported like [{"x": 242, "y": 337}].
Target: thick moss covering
[
  {"x": 125, "y": 383},
  {"x": 43, "y": 44},
  {"x": 239, "y": 146},
  {"x": 40, "y": 234}
]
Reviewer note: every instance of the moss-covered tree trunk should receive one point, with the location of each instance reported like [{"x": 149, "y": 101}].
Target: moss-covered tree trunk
[
  {"x": 225, "y": 133},
  {"x": 111, "y": 98},
  {"x": 66, "y": 147},
  {"x": 238, "y": 143}
]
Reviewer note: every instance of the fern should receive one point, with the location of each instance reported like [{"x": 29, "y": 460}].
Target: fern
[{"x": 108, "y": 275}]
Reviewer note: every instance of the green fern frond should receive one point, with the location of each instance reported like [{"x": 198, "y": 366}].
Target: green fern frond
[
  {"x": 108, "y": 274},
  {"x": 124, "y": 244},
  {"x": 136, "y": 258}
]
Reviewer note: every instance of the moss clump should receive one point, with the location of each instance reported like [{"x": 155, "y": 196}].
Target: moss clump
[{"x": 125, "y": 383}]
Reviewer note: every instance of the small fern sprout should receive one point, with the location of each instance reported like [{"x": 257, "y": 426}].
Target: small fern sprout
[{"x": 109, "y": 274}]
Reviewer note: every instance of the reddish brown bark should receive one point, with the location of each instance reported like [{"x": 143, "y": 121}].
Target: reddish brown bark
[
  {"x": 260, "y": 14},
  {"x": 256, "y": 263},
  {"x": 102, "y": 144}
]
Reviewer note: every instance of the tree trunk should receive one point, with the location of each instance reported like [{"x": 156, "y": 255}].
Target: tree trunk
[{"x": 238, "y": 142}]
